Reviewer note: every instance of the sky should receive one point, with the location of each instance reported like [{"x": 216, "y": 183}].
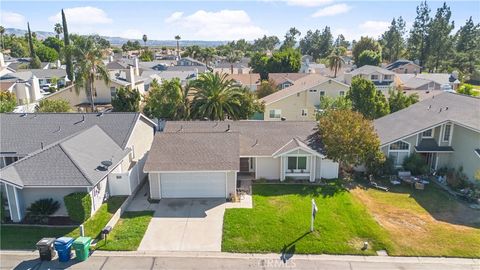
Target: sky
[{"x": 221, "y": 20}]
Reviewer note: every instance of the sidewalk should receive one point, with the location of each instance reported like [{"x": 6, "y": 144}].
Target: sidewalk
[{"x": 219, "y": 260}]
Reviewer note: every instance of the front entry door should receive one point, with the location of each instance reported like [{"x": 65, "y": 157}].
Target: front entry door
[{"x": 244, "y": 165}]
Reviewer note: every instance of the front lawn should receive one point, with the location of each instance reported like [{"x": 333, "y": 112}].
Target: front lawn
[
  {"x": 25, "y": 237},
  {"x": 94, "y": 225},
  {"x": 280, "y": 221},
  {"x": 424, "y": 223},
  {"x": 128, "y": 232}
]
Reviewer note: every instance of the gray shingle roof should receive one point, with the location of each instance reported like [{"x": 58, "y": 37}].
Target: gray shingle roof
[
  {"x": 367, "y": 69},
  {"x": 428, "y": 113},
  {"x": 23, "y": 135},
  {"x": 194, "y": 151},
  {"x": 39, "y": 73},
  {"x": 399, "y": 63},
  {"x": 73, "y": 161},
  {"x": 257, "y": 138}
]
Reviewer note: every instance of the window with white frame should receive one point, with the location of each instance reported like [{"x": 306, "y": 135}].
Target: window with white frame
[
  {"x": 342, "y": 93},
  {"x": 387, "y": 77},
  {"x": 275, "y": 113},
  {"x": 398, "y": 151},
  {"x": 374, "y": 77},
  {"x": 297, "y": 163},
  {"x": 427, "y": 133},
  {"x": 446, "y": 132},
  {"x": 113, "y": 91},
  {"x": 304, "y": 112},
  {"x": 322, "y": 93}
]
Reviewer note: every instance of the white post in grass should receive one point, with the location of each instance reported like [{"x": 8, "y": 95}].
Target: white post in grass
[{"x": 314, "y": 212}]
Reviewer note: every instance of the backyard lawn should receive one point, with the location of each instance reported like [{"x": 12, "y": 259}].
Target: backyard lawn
[
  {"x": 280, "y": 221},
  {"x": 23, "y": 237},
  {"x": 128, "y": 232},
  {"x": 424, "y": 223}
]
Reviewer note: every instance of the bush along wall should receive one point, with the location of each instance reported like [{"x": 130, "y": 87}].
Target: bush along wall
[{"x": 79, "y": 206}]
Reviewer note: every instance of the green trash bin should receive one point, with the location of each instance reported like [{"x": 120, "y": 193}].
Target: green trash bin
[{"x": 82, "y": 247}]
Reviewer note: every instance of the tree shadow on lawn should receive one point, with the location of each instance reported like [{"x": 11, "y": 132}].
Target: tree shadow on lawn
[
  {"x": 288, "y": 250},
  {"x": 436, "y": 201}
]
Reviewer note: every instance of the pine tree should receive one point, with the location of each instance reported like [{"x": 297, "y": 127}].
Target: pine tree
[
  {"x": 68, "y": 55},
  {"x": 417, "y": 46},
  {"x": 392, "y": 40},
  {"x": 467, "y": 47},
  {"x": 439, "y": 39}
]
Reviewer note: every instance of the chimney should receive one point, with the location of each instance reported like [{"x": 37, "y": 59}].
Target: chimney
[
  {"x": 58, "y": 64},
  {"x": 131, "y": 76},
  {"x": 135, "y": 63},
  {"x": 34, "y": 91},
  {"x": 110, "y": 58},
  {"x": 2, "y": 61}
]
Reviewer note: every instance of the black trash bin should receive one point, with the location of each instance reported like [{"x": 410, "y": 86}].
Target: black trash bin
[{"x": 45, "y": 248}]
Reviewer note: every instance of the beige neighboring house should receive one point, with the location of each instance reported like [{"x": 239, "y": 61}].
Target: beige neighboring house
[
  {"x": 402, "y": 66},
  {"x": 444, "y": 130},
  {"x": 253, "y": 80},
  {"x": 197, "y": 159},
  {"x": 383, "y": 79},
  {"x": 50, "y": 155},
  {"x": 301, "y": 100},
  {"x": 103, "y": 92}
]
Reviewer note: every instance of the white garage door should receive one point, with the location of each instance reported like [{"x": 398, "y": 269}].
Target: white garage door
[{"x": 193, "y": 185}]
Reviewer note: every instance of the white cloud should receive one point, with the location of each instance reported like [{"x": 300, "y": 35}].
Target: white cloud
[
  {"x": 220, "y": 25},
  {"x": 332, "y": 10},
  {"x": 12, "y": 19},
  {"x": 373, "y": 28},
  {"x": 82, "y": 16},
  {"x": 308, "y": 3}
]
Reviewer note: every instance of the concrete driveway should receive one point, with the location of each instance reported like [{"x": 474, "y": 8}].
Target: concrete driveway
[{"x": 185, "y": 225}]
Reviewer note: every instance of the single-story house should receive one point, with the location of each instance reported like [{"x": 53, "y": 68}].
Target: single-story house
[
  {"x": 444, "y": 129},
  {"x": 301, "y": 100},
  {"x": 428, "y": 81},
  {"x": 403, "y": 66},
  {"x": 50, "y": 155},
  {"x": 207, "y": 158}
]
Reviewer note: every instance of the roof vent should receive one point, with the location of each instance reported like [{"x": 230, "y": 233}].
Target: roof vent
[
  {"x": 100, "y": 114},
  {"x": 181, "y": 128},
  {"x": 41, "y": 145},
  {"x": 446, "y": 108},
  {"x": 429, "y": 107},
  {"x": 256, "y": 142},
  {"x": 228, "y": 128},
  {"x": 440, "y": 110},
  {"x": 23, "y": 115},
  {"x": 283, "y": 119},
  {"x": 58, "y": 130}
]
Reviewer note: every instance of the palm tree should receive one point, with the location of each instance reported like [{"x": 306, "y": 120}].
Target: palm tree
[
  {"x": 207, "y": 55},
  {"x": 170, "y": 100},
  {"x": 144, "y": 38},
  {"x": 232, "y": 57},
  {"x": 2, "y": 31},
  {"x": 216, "y": 97},
  {"x": 335, "y": 60},
  {"x": 177, "y": 38},
  {"x": 58, "y": 29},
  {"x": 89, "y": 65}
]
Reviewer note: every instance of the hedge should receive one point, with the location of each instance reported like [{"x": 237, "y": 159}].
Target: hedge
[{"x": 79, "y": 206}]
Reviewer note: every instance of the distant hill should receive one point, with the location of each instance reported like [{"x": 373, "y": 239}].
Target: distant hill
[{"x": 118, "y": 41}]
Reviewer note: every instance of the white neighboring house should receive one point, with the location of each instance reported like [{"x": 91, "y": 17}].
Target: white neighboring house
[
  {"x": 383, "y": 79},
  {"x": 50, "y": 155},
  {"x": 208, "y": 159}
]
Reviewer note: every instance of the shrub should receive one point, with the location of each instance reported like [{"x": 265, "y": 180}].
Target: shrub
[
  {"x": 415, "y": 164},
  {"x": 457, "y": 179},
  {"x": 79, "y": 206},
  {"x": 41, "y": 209}
]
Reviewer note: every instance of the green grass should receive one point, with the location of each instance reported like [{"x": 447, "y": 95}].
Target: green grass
[
  {"x": 280, "y": 220},
  {"x": 25, "y": 237},
  {"x": 128, "y": 232},
  {"x": 94, "y": 225}
]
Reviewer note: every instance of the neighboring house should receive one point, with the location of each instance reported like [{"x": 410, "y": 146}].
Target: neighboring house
[
  {"x": 188, "y": 61},
  {"x": 428, "y": 81},
  {"x": 309, "y": 66},
  {"x": 251, "y": 81},
  {"x": 301, "y": 100},
  {"x": 103, "y": 93},
  {"x": 383, "y": 79},
  {"x": 281, "y": 80},
  {"x": 403, "y": 66},
  {"x": 240, "y": 67},
  {"x": 45, "y": 76},
  {"x": 26, "y": 91},
  {"x": 50, "y": 155},
  {"x": 444, "y": 129},
  {"x": 206, "y": 158}
]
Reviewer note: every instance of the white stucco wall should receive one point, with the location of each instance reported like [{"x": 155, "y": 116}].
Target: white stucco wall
[
  {"x": 267, "y": 167},
  {"x": 231, "y": 182},
  {"x": 154, "y": 181},
  {"x": 97, "y": 194},
  {"x": 30, "y": 195}
]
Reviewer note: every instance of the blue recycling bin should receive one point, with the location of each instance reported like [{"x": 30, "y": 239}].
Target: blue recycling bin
[{"x": 63, "y": 246}]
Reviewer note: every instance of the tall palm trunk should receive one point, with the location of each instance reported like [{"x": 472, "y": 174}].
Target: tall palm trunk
[
  {"x": 92, "y": 96},
  {"x": 336, "y": 69}
]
